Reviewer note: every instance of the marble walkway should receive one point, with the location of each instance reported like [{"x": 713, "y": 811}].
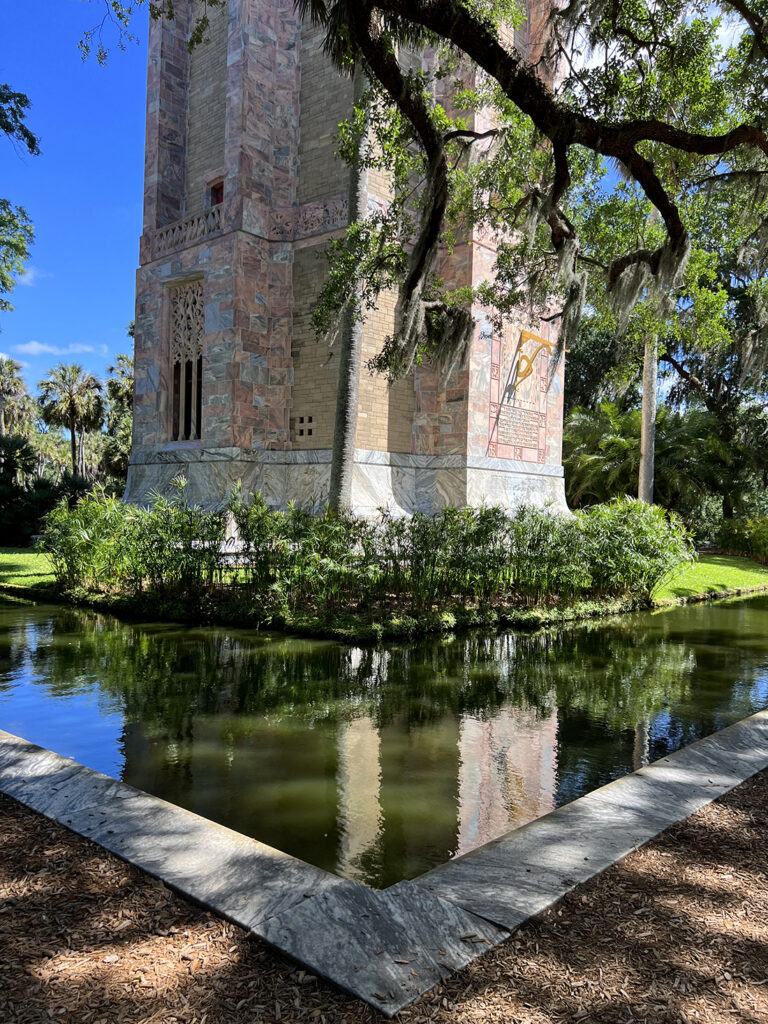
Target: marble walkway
[{"x": 386, "y": 947}]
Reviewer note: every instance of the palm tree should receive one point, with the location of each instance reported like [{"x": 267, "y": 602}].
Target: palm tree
[
  {"x": 602, "y": 454},
  {"x": 51, "y": 450},
  {"x": 12, "y": 386},
  {"x": 71, "y": 398},
  {"x": 21, "y": 414}
]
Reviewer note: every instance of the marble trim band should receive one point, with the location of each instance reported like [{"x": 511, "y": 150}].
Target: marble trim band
[
  {"x": 383, "y": 946},
  {"x": 185, "y": 452}
]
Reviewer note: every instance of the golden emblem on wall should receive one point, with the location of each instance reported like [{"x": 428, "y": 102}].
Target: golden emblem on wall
[{"x": 526, "y": 361}]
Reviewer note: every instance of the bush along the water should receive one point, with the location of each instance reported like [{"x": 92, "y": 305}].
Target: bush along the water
[
  {"x": 745, "y": 537},
  {"x": 288, "y": 566}
]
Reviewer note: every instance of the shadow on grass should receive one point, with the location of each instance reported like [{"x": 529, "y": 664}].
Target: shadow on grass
[
  {"x": 716, "y": 573},
  {"x": 25, "y": 569}
]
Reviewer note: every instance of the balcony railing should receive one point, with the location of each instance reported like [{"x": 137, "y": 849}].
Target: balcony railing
[{"x": 185, "y": 232}]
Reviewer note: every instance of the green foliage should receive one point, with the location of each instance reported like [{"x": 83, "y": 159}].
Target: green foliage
[
  {"x": 632, "y": 547},
  {"x": 24, "y": 497},
  {"x": 745, "y": 537},
  {"x": 601, "y": 454},
  {"x": 171, "y": 548},
  {"x": 71, "y": 398},
  {"x": 116, "y": 448},
  {"x": 290, "y": 564},
  {"x": 16, "y": 234},
  {"x": 13, "y": 113},
  {"x": 644, "y": 248},
  {"x": 117, "y": 16},
  {"x": 593, "y": 370}
]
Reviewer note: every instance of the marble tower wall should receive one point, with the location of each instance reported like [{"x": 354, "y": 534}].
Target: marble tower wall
[{"x": 264, "y": 91}]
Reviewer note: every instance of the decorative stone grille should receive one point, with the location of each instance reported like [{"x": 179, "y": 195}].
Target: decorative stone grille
[
  {"x": 185, "y": 232},
  {"x": 187, "y": 321},
  {"x": 187, "y": 329}
]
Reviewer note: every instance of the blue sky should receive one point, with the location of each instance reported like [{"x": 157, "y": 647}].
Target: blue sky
[{"x": 83, "y": 193}]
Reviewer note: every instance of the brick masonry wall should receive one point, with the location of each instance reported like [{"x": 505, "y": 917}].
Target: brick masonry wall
[
  {"x": 206, "y": 110},
  {"x": 315, "y": 367},
  {"x": 385, "y": 413},
  {"x": 322, "y": 190},
  {"x": 326, "y": 101}
]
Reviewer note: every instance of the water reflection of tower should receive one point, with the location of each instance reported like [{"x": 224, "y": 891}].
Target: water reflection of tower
[
  {"x": 359, "y": 781},
  {"x": 490, "y": 776},
  {"x": 507, "y": 773}
]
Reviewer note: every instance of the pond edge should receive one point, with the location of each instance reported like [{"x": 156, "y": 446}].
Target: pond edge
[
  {"x": 389, "y": 947},
  {"x": 402, "y": 629}
]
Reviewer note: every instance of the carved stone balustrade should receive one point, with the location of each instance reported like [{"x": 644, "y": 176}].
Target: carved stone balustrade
[{"x": 185, "y": 232}]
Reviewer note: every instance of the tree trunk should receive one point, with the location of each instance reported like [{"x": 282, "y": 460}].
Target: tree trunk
[
  {"x": 73, "y": 445},
  {"x": 81, "y": 454},
  {"x": 728, "y": 509},
  {"x": 2, "y": 416},
  {"x": 350, "y": 357},
  {"x": 648, "y": 427}
]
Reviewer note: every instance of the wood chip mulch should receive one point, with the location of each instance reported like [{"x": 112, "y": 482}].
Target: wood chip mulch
[{"x": 676, "y": 932}]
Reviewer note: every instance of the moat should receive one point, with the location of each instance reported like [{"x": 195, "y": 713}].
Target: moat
[{"x": 377, "y": 763}]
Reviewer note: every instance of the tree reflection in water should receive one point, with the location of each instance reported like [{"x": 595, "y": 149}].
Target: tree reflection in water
[{"x": 379, "y": 763}]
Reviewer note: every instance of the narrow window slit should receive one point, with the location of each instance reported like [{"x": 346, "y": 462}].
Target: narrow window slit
[{"x": 187, "y": 327}]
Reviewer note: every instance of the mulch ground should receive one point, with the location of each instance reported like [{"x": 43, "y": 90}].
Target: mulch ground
[{"x": 676, "y": 932}]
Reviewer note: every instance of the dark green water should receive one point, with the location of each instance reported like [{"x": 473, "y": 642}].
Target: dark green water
[{"x": 377, "y": 764}]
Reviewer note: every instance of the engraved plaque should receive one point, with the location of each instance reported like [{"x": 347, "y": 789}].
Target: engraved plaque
[
  {"x": 519, "y": 426},
  {"x": 518, "y": 407}
]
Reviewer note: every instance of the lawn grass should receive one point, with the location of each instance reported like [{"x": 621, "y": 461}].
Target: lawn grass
[
  {"x": 712, "y": 574},
  {"x": 25, "y": 569}
]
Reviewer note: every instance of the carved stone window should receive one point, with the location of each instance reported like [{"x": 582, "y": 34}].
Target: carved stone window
[
  {"x": 187, "y": 329},
  {"x": 216, "y": 194}
]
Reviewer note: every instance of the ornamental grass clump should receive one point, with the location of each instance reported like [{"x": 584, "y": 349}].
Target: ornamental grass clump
[
  {"x": 88, "y": 543},
  {"x": 175, "y": 549},
  {"x": 292, "y": 566},
  {"x": 547, "y": 557}
]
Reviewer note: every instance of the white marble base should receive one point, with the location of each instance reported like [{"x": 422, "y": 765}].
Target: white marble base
[{"x": 400, "y": 483}]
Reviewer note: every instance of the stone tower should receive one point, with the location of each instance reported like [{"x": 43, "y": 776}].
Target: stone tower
[{"x": 242, "y": 194}]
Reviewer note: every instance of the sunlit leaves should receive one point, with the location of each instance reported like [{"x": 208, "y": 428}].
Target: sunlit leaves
[{"x": 16, "y": 234}]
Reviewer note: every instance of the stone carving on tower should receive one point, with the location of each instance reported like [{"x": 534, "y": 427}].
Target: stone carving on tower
[{"x": 243, "y": 192}]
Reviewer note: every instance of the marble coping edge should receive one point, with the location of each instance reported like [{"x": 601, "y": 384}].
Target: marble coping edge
[
  {"x": 499, "y": 885},
  {"x": 524, "y": 872},
  {"x": 161, "y": 838},
  {"x": 375, "y": 939}
]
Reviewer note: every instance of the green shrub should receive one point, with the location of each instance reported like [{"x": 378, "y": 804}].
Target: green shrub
[
  {"x": 104, "y": 545},
  {"x": 419, "y": 568},
  {"x": 632, "y": 547},
  {"x": 745, "y": 537},
  {"x": 547, "y": 556}
]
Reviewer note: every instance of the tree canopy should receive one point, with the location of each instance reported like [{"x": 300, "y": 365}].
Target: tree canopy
[
  {"x": 16, "y": 231},
  {"x": 72, "y": 398},
  {"x": 609, "y": 129},
  {"x": 605, "y": 113}
]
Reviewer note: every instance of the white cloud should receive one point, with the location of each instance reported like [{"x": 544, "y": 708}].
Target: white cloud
[
  {"x": 29, "y": 277},
  {"x": 39, "y": 348},
  {"x": 730, "y": 32},
  {"x": 4, "y": 355}
]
